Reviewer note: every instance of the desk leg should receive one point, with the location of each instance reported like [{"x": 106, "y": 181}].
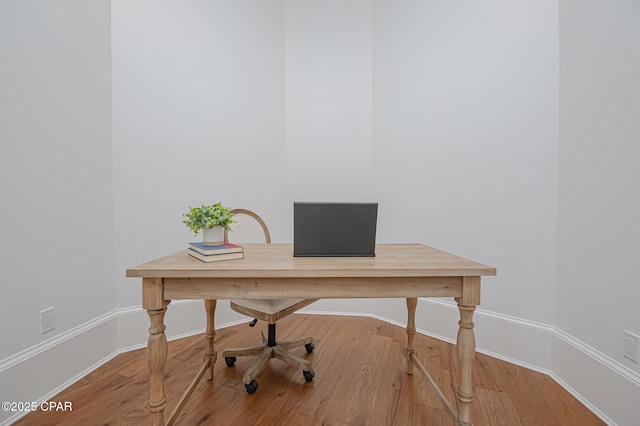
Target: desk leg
[
  {"x": 210, "y": 334},
  {"x": 466, "y": 346},
  {"x": 157, "y": 360},
  {"x": 466, "y": 353},
  {"x": 410, "y": 350}
]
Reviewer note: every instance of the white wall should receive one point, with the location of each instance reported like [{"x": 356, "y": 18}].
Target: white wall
[
  {"x": 599, "y": 174},
  {"x": 329, "y": 101},
  {"x": 599, "y": 238},
  {"x": 466, "y": 137},
  {"x": 56, "y": 218},
  {"x": 344, "y": 100},
  {"x": 198, "y": 116},
  {"x": 315, "y": 100}
]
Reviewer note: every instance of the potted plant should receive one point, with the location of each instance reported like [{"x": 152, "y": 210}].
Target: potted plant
[{"x": 213, "y": 220}]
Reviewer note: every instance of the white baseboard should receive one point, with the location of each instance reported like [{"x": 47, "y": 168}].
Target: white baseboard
[{"x": 606, "y": 387}]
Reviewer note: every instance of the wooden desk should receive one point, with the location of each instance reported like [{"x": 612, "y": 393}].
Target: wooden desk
[{"x": 270, "y": 271}]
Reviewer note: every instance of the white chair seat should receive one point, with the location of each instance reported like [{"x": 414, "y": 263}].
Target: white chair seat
[
  {"x": 268, "y": 306},
  {"x": 269, "y": 310}
]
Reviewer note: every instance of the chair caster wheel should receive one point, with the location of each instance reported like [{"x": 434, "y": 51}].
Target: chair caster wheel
[
  {"x": 230, "y": 360},
  {"x": 251, "y": 387},
  {"x": 309, "y": 347},
  {"x": 308, "y": 375}
]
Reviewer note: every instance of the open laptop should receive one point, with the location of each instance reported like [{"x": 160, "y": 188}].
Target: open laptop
[{"x": 334, "y": 229}]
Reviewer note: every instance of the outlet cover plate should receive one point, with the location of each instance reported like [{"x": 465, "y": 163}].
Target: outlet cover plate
[
  {"x": 631, "y": 346},
  {"x": 47, "y": 320}
]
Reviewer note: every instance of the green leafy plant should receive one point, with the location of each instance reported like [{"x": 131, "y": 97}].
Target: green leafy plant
[{"x": 206, "y": 216}]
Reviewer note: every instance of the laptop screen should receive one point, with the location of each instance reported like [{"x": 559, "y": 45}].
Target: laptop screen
[{"x": 334, "y": 229}]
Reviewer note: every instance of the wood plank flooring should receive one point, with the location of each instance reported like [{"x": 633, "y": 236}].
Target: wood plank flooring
[{"x": 360, "y": 380}]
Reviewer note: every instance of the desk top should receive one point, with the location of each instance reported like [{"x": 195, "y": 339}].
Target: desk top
[{"x": 277, "y": 261}]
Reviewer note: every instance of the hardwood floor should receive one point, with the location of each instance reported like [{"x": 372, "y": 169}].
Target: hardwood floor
[{"x": 360, "y": 380}]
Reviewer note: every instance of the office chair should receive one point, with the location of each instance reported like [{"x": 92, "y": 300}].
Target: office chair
[{"x": 268, "y": 310}]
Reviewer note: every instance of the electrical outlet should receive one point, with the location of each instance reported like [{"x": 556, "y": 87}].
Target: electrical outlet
[
  {"x": 631, "y": 346},
  {"x": 47, "y": 320}
]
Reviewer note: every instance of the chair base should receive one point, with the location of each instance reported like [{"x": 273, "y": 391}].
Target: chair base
[{"x": 264, "y": 353}]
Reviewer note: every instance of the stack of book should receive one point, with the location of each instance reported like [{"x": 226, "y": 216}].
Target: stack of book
[{"x": 227, "y": 251}]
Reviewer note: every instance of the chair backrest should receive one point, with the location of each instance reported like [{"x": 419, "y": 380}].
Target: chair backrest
[{"x": 250, "y": 228}]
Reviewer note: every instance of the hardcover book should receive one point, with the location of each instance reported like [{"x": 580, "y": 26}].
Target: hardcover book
[
  {"x": 215, "y": 257},
  {"x": 211, "y": 250}
]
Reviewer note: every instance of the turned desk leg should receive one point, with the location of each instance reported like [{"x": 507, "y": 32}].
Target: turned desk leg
[
  {"x": 157, "y": 360},
  {"x": 210, "y": 334},
  {"x": 466, "y": 353},
  {"x": 466, "y": 346},
  {"x": 410, "y": 350}
]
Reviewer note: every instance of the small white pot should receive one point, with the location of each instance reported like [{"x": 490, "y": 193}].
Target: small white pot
[{"x": 213, "y": 236}]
